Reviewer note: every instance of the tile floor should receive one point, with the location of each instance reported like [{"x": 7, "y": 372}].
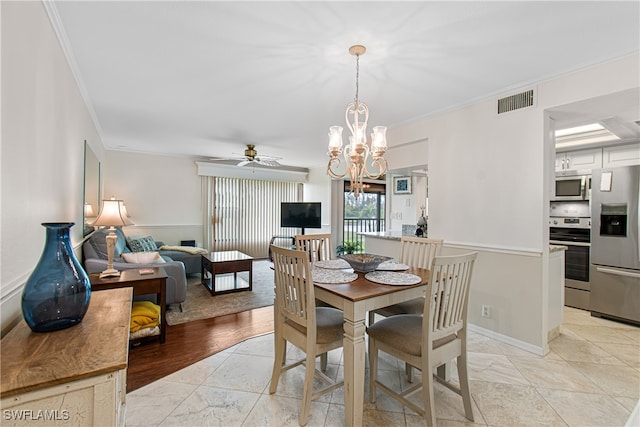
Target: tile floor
[{"x": 591, "y": 377}]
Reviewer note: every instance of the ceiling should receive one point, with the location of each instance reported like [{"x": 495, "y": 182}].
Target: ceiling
[{"x": 206, "y": 78}]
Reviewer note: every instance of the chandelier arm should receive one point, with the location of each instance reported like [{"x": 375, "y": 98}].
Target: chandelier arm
[
  {"x": 331, "y": 173},
  {"x": 350, "y": 107},
  {"x": 381, "y": 163}
]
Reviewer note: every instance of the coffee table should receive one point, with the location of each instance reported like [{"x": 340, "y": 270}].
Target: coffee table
[{"x": 215, "y": 264}]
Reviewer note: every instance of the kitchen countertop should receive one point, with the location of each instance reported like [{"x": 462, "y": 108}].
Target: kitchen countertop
[
  {"x": 389, "y": 235},
  {"x": 556, "y": 248}
]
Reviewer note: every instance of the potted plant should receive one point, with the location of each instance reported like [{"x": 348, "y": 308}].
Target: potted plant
[{"x": 349, "y": 247}]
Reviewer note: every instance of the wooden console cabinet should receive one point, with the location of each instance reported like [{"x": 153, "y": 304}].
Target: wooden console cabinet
[{"x": 73, "y": 377}]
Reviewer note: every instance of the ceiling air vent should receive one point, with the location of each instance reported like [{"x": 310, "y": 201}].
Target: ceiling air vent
[{"x": 515, "y": 102}]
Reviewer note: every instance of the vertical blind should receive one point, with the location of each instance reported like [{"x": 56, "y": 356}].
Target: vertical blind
[{"x": 246, "y": 213}]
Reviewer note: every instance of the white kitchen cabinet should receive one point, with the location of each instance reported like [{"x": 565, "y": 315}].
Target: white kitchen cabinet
[
  {"x": 621, "y": 155},
  {"x": 579, "y": 160}
]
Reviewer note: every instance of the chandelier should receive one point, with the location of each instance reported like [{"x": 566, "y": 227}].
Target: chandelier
[{"x": 358, "y": 153}]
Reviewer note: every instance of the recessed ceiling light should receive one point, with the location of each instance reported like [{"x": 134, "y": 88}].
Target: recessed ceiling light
[
  {"x": 579, "y": 129},
  {"x": 592, "y": 133}
]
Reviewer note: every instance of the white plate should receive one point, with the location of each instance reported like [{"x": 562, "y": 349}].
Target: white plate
[
  {"x": 332, "y": 276},
  {"x": 392, "y": 278},
  {"x": 392, "y": 266},
  {"x": 332, "y": 264}
]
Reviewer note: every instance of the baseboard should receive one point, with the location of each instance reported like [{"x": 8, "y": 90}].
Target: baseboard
[{"x": 537, "y": 350}]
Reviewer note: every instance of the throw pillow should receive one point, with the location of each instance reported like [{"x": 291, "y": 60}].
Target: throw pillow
[
  {"x": 142, "y": 244},
  {"x": 143, "y": 258}
]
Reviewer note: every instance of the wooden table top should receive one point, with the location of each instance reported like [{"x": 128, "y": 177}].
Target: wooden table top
[
  {"x": 97, "y": 345},
  {"x": 226, "y": 256},
  {"x": 361, "y": 288},
  {"x": 129, "y": 275}
]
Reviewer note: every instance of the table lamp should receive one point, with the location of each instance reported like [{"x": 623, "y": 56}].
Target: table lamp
[
  {"x": 111, "y": 215},
  {"x": 88, "y": 213}
]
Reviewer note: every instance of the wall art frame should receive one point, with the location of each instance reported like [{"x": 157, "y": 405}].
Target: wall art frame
[{"x": 402, "y": 185}]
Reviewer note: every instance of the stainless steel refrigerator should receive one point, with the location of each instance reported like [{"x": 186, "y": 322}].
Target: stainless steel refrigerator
[{"x": 615, "y": 236}]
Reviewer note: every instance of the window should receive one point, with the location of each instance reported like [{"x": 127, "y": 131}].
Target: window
[
  {"x": 246, "y": 213},
  {"x": 364, "y": 214}
]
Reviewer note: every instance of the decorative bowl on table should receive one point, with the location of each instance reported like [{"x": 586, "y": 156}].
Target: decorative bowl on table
[{"x": 364, "y": 263}]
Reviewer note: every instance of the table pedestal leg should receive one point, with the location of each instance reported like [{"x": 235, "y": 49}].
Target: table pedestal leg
[{"x": 354, "y": 363}]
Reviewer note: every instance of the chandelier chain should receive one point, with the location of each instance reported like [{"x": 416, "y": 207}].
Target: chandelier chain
[{"x": 357, "y": 77}]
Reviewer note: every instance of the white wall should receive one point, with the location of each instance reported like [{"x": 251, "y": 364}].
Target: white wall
[
  {"x": 162, "y": 194},
  {"x": 44, "y": 125},
  {"x": 489, "y": 177},
  {"x": 318, "y": 189},
  {"x": 405, "y": 208}
]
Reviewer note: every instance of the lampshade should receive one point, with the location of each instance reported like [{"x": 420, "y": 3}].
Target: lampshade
[
  {"x": 112, "y": 214},
  {"x": 88, "y": 210}
]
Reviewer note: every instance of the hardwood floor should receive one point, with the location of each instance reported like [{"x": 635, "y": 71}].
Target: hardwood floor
[{"x": 190, "y": 342}]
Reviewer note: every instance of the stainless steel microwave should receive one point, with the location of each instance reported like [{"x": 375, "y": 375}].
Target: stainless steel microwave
[{"x": 574, "y": 187}]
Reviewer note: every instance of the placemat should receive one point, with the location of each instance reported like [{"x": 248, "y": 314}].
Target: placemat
[
  {"x": 392, "y": 266},
  {"x": 320, "y": 275},
  {"x": 392, "y": 278},
  {"x": 332, "y": 264}
]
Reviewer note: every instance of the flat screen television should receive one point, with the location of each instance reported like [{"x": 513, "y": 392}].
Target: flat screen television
[{"x": 300, "y": 214}]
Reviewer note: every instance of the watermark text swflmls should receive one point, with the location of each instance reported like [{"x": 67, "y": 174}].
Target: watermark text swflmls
[{"x": 35, "y": 415}]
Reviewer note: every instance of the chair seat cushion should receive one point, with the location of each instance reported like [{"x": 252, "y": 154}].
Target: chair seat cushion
[
  {"x": 414, "y": 306},
  {"x": 329, "y": 323},
  {"x": 404, "y": 333}
]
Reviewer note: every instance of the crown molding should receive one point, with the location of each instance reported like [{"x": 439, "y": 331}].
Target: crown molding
[{"x": 58, "y": 28}]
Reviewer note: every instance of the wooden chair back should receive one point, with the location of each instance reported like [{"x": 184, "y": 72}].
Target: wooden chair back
[
  {"x": 419, "y": 252},
  {"x": 295, "y": 298},
  {"x": 449, "y": 286},
  {"x": 318, "y": 246}
]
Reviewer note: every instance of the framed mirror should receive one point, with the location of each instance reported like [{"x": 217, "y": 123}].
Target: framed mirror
[{"x": 91, "y": 204}]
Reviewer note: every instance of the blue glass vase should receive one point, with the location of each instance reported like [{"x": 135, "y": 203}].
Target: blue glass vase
[{"x": 56, "y": 295}]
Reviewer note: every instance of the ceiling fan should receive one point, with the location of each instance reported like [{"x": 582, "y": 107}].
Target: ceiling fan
[{"x": 251, "y": 156}]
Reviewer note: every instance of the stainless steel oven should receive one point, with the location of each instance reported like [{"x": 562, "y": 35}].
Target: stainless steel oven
[{"x": 570, "y": 226}]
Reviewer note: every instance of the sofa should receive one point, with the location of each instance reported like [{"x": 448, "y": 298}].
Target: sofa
[{"x": 177, "y": 263}]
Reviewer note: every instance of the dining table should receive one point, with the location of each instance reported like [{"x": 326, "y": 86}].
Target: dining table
[{"x": 355, "y": 299}]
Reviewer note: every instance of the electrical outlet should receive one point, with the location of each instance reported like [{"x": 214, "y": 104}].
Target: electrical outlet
[{"x": 486, "y": 311}]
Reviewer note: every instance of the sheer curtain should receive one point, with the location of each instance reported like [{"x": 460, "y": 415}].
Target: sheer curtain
[{"x": 243, "y": 214}]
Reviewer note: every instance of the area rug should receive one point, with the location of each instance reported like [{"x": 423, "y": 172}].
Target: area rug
[{"x": 201, "y": 305}]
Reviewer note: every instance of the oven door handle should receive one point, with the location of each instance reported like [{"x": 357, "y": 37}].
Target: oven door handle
[
  {"x": 563, "y": 243},
  {"x": 618, "y": 272}
]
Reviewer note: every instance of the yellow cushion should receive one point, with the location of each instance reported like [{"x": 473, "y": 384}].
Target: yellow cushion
[{"x": 144, "y": 314}]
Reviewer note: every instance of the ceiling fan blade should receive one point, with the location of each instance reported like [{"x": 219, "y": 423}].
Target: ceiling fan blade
[
  {"x": 244, "y": 162},
  {"x": 263, "y": 157},
  {"x": 268, "y": 162},
  {"x": 226, "y": 158}
]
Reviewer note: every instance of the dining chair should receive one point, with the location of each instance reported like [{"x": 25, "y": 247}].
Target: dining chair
[
  {"x": 314, "y": 330},
  {"x": 319, "y": 246},
  {"x": 415, "y": 252},
  {"x": 429, "y": 341}
]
